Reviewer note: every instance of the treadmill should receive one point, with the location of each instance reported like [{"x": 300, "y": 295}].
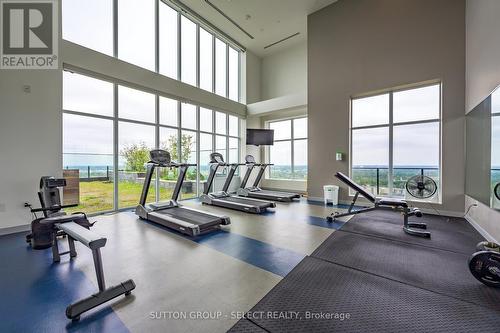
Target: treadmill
[
  {"x": 171, "y": 214},
  {"x": 223, "y": 198},
  {"x": 258, "y": 193}
]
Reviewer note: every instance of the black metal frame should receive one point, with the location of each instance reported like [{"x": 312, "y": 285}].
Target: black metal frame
[
  {"x": 150, "y": 169},
  {"x": 382, "y": 203},
  {"x": 66, "y": 225}
]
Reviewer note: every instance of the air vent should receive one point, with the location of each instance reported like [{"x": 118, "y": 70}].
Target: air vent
[
  {"x": 228, "y": 18},
  {"x": 282, "y": 40}
]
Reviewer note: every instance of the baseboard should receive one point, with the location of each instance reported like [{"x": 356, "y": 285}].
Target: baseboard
[
  {"x": 479, "y": 229},
  {"x": 16, "y": 229},
  {"x": 424, "y": 210},
  {"x": 282, "y": 190},
  {"x": 439, "y": 212},
  {"x": 341, "y": 202}
]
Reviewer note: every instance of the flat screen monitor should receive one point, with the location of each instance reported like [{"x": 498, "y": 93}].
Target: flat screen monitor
[{"x": 258, "y": 137}]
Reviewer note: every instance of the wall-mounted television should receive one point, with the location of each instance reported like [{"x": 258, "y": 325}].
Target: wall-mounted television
[{"x": 258, "y": 137}]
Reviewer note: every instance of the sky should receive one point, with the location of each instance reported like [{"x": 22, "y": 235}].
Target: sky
[{"x": 413, "y": 145}]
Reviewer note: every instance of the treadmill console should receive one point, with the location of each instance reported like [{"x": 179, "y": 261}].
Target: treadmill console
[
  {"x": 216, "y": 158},
  {"x": 51, "y": 182},
  {"x": 160, "y": 156},
  {"x": 249, "y": 159}
]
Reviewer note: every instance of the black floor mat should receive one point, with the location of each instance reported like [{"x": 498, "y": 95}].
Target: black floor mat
[
  {"x": 245, "y": 326},
  {"x": 453, "y": 234},
  {"x": 374, "y": 304},
  {"x": 429, "y": 268}
]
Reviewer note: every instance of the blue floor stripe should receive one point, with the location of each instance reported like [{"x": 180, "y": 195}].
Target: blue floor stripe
[
  {"x": 322, "y": 222},
  {"x": 260, "y": 254},
  {"x": 254, "y": 252},
  {"x": 38, "y": 292}
]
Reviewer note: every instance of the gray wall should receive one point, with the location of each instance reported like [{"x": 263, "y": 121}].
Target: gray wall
[
  {"x": 483, "y": 50},
  {"x": 358, "y": 46},
  {"x": 483, "y": 75}
]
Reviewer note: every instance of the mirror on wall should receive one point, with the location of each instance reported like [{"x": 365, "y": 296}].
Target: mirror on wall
[
  {"x": 483, "y": 151},
  {"x": 495, "y": 149}
]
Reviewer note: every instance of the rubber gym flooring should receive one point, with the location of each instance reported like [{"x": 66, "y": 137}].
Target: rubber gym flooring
[
  {"x": 372, "y": 277},
  {"x": 371, "y": 271}
]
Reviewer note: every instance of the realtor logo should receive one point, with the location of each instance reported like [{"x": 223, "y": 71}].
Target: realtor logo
[{"x": 29, "y": 35}]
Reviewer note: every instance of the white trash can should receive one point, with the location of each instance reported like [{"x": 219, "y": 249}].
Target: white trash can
[{"x": 331, "y": 194}]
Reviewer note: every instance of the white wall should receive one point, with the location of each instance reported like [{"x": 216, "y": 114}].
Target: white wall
[
  {"x": 253, "y": 66},
  {"x": 482, "y": 76},
  {"x": 30, "y": 139},
  {"x": 285, "y": 73}
]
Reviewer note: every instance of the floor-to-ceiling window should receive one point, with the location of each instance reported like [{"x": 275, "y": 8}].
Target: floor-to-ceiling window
[
  {"x": 136, "y": 137},
  {"x": 88, "y": 133},
  {"x": 394, "y": 136},
  {"x": 95, "y": 33},
  {"x": 288, "y": 154},
  {"x": 177, "y": 46},
  {"x": 110, "y": 128},
  {"x": 168, "y": 39},
  {"x": 136, "y": 32}
]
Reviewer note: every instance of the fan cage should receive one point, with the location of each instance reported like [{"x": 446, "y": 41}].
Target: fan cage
[{"x": 420, "y": 183}]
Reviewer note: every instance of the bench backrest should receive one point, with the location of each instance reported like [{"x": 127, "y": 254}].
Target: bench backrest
[{"x": 349, "y": 182}]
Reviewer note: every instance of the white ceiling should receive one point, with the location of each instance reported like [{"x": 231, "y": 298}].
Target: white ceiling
[{"x": 267, "y": 21}]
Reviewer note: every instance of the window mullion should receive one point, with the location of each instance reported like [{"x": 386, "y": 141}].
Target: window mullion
[
  {"x": 197, "y": 56},
  {"x": 157, "y": 36},
  {"x": 157, "y": 144},
  {"x": 213, "y": 65},
  {"x": 198, "y": 151},
  {"x": 292, "y": 141},
  {"x": 227, "y": 137},
  {"x": 115, "y": 147},
  {"x": 391, "y": 144},
  {"x": 227, "y": 70},
  {"x": 179, "y": 53},
  {"x": 115, "y": 28}
]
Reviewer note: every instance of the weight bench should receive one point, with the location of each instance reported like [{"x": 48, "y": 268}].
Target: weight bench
[
  {"x": 394, "y": 204},
  {"x": 75, "y": 232}
]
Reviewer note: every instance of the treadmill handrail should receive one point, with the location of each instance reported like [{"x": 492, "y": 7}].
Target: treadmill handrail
[
  {"x": 151, "y": 165},
  {"x": 226, "y": 164},
  {"x": 171, "y": 164}
]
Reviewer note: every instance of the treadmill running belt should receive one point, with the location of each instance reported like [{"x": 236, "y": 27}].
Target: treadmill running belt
[
  {"x": 247, "y": 201},
  {"x": 189, "y": 215},
  {"x": 277, "y": 194}
]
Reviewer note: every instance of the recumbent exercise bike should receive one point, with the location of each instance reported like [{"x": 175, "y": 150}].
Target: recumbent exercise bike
[{"x": 54, "y": 224}]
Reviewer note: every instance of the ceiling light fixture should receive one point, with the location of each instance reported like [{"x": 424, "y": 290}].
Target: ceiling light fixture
[{"x": 282, "y": 40}]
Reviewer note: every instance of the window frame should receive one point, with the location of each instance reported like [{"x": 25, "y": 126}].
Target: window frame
[
  {"x": 199, "y": 25},
  {"x": 157, "y": 125},
  {"x": 292, "y": 153},
  {"x": 390, "y": 126}
]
